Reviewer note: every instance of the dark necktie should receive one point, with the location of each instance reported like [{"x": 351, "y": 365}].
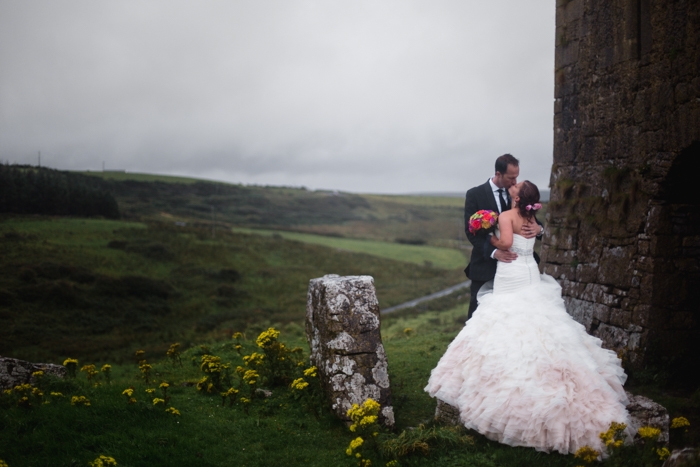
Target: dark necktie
[{"x": 504, "y": 204}]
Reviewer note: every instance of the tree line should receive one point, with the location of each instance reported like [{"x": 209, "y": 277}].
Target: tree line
[{"x": 26, "y": 189}]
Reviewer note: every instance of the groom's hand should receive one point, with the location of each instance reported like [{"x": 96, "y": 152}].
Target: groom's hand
[
  {"x": 505, "y": 256},
  {"x": 530, "y": 230}
]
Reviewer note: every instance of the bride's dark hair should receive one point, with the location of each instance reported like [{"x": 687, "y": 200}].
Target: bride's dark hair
[{"x": 529, "y": 196}]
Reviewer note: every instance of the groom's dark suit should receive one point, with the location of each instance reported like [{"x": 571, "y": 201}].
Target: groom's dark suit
[{"x": 482, "y": 267}]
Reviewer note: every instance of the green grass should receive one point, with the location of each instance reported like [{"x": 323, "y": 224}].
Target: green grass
[
  {"x": 141, "y": 177},
  {"x": 74, "y": 287},
  {"x": 443, "y": 258},
  {"x": 416, "y": 200},
  {"x": 276, "y": 431}
]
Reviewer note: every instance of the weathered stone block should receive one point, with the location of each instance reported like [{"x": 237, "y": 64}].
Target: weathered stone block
[
  {"x": 687, "y": 457},
  {"x": 343, "y": 331},
  {"x": 645, "y": 412},
  {"x": 446, "y": 414},
  {"x": 14, "y": 372}
]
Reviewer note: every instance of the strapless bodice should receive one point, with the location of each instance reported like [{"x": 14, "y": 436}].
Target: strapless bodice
[
  {"x": 522, "y": 246},
  {"x": 522, "y": 272}
]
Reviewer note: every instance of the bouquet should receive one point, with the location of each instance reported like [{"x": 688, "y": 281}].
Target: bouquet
[{"x": 482, "y": 220}]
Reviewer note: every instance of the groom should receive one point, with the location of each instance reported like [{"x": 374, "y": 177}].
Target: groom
[{"x": 492, "y": 195}]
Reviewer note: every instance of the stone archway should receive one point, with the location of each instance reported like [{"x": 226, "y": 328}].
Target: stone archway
[{"x": 675, "y": 252}]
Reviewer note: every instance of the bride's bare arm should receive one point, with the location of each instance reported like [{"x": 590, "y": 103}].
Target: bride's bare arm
[{"x": 505, "y": 225}]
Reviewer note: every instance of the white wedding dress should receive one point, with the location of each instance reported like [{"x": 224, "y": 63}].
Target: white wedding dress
[{"x": 524, "y": 373}]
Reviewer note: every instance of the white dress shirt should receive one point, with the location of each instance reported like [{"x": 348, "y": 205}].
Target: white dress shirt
[{"x": 495, "y": 189}]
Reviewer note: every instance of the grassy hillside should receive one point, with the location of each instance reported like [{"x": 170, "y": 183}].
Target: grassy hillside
[
  {"x": 73, "y": 287},
  {"x": 434, "y": 221},
  {"x": 439, "y": 257}
]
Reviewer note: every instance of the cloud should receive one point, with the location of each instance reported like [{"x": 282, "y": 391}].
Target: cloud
[{"x": 389, "y": 96}]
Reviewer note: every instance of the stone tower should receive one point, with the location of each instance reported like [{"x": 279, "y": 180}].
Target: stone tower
[{"x": 624, "y": 218}]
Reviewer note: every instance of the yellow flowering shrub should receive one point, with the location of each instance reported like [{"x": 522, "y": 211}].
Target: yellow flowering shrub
[
  {"x": 103, "y": 461},
  {"x": 107, "y": 370},
  {"x": 145, "y": 369},
  {"x": 663, "y": 453},
  {"x": 217, "y": 374},
  {"x": 267, "y": 338},
  {"x": 614, "y": 438},
  {"x": 71, "y": 365},
  {"x": 173, "y": 354},
  {"x": 679, "y": 422},
  {"x": 299, "y": 384},
  {"x": 649, "y": 432},
  {"x": 587, "y": 454},
  {"x": 80, "y": 400}
]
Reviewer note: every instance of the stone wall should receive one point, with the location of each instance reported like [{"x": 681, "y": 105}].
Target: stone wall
[{"x": 623, "y": 233}]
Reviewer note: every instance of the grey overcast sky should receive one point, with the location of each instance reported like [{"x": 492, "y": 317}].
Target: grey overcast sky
[{"x": 368, "y": 96}]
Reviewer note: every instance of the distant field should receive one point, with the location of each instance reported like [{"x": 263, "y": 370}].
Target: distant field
[
  {"x": 443, "y": 258},
  {"x": 419, "y": 200},
  {"x": 139, "y": 177}
]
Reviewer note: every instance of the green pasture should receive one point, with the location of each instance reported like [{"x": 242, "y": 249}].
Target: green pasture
[
  {"x": 275, "y": 430},
  {"x": 142, "y": 177},
  {"x": 418, "y": 200},
  {"x": 75, "y": 287},
  {"x": 443, "y": 258}
]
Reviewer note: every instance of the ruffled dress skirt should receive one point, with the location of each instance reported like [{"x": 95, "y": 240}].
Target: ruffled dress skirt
[{"x": 524, "y": 373}]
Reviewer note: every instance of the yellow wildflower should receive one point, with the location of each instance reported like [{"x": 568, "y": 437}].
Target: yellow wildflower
[
  {"x": 679, "y": 422},
  {"x": 237, "y": 335},
  {"x": 299, "y": 384},
  {"x": 587, "y": 454},
  {"x": 38, "y": 374},
  {"x": 157, "y": 401},
  {"x": 310, "y": 371},
  {"x": 164, "y": 385},
  {"x": 368, "y": 420},
  {"x": 70, "y": 361},
  {"x": 80, "y": 400},
  {"x": 251, "y": 377},
  {"x": 57, "y": 394},
  {"x": 106, "y": 368},
  {"x": 150, "y": 391},
  {"x": 128, "y": 392},
  {"x": 173, "y": 410},
  {"x": 266, "y": 338},
  {"x": 104, "y": 461},
  {"x": 663, "y": 453},
  {"x": 649, "y": 432}
]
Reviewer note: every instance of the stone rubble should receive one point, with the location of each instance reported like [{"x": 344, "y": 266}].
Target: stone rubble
[{"x": 14, "y": 372}]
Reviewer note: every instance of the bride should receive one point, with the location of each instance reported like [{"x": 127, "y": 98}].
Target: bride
[{"x": 522, "y": 371}]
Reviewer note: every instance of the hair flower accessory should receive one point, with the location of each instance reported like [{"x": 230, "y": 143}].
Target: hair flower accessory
[{"x": 533, "y": 207}]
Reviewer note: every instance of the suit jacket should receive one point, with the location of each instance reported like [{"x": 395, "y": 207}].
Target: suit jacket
[{"x": 481, "y": 266}]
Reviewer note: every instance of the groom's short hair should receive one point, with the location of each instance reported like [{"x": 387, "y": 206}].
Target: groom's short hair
[{"x": 504, "y": 161}]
